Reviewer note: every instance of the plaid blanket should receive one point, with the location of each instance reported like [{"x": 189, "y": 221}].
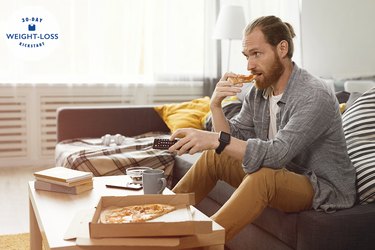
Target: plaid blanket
[{"x": 91, "y": 155}]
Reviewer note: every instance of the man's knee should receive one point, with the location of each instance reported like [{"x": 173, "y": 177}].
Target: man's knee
[
  {"x": 262, "y": 181},
  {"x": 263, "y": 174}
]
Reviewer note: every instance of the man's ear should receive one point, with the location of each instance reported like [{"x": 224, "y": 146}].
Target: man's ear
[{"x": 283, "y": 48}]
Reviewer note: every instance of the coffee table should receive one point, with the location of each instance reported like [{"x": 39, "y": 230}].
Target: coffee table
[{"x": 52, "y": 213}]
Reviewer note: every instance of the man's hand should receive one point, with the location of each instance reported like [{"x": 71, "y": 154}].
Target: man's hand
[
  {"x": 193, "y": 141},
  {"x": 223, "y": 89}
]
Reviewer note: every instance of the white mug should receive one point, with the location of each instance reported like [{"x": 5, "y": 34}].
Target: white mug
[{"x": 154, "y": 181}]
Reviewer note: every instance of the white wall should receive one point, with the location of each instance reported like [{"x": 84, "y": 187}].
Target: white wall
[{"x": 338, "y": 37}]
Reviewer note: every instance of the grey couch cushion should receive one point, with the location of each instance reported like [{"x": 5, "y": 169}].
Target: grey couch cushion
[
  {"x": 345, "y": 229},
  {"x": 256, "y": 238},
  {"x": 279, "y": 224},
  {"x": 221, "y": 192}
]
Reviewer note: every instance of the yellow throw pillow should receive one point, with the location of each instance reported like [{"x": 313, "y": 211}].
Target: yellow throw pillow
[
  {"x": 342, "y": 107},
  {"x": 185, "y": 114}
]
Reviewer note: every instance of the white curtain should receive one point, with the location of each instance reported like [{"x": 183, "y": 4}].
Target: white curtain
[
  {"x": 126, "y": 41},
  {"x": 154, "y": 39},
  {"x": 114, "y": 41}
]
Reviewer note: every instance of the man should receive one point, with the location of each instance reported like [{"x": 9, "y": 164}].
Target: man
[{"x": 286, "y": 148}]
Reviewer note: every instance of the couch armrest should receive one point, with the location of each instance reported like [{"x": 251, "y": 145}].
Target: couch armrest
[{"x": 76, "y": 122}]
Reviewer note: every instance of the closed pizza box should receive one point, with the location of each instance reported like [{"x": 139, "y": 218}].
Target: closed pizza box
[{"x": 176, "y": 223}]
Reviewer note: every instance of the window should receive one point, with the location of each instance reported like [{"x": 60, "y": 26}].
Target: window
[{"x": 108, "y": 41}]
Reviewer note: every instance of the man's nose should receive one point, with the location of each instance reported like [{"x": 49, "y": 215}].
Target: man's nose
[{"x": 250, "y": 65}]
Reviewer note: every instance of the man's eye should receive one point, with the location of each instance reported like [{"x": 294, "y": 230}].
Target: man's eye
[{"x": 255, "y": 54}]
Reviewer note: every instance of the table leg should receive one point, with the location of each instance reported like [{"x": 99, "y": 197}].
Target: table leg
[{"x": 35, "y": 235}]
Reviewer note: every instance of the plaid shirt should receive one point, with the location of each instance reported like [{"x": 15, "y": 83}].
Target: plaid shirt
[{"x": 310, "y": 138}]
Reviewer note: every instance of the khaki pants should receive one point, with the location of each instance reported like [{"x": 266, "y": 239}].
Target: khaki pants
[{"x": 280, "y": 189}]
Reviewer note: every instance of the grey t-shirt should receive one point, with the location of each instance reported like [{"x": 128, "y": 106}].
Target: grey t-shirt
[{"x": 310, "y": 138}]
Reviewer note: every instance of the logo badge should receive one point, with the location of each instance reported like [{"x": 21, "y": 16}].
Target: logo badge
[{"x": 32, "y": 33}]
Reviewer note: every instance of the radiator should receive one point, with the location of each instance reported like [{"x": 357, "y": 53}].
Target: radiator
[{"x": 28, "y": 112}]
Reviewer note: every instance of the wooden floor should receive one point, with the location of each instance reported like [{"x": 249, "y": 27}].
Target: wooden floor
[{"x": 14, "y": 208}]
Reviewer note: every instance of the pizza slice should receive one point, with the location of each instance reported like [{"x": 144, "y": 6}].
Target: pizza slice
[
  {"x": 138, "y": 213},
  {"x": 241, "y": 78}
]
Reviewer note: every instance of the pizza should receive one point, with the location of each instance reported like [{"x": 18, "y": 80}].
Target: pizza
[
  {"x": 137, "y": 213},
  {"x": 241, "y": 78}
]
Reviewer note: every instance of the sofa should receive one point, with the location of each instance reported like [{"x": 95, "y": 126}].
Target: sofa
[{"x": 273, "y": 229}]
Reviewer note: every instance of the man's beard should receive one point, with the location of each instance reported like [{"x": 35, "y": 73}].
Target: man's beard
[{"x": 276, "y": 70}]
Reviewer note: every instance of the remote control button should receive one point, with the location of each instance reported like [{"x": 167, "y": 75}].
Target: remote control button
[{"x": 163, "y": 143}]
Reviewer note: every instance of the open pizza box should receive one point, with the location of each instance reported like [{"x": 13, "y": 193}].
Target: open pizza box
[{"x": 176, "y": 223}]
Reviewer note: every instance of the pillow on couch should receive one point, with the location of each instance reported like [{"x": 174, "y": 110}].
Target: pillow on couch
[
  {"x": 359, "y": 129},
  {"x": 185, "y": 114}
]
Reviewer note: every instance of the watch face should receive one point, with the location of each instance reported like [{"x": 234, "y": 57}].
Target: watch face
[{"x": 225, "y": 137}]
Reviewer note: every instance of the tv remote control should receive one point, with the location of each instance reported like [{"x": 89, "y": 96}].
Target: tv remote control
[{"x": 163, "y": 143}]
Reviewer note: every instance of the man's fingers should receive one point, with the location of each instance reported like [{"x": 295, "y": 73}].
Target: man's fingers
[
  {"x": 185, "y": 148},
  {"x": 226, "y": 75},
  {"x": 179, "y": 133}
]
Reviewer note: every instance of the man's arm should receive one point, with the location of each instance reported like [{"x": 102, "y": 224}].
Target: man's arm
[
  {"x": 236, "y": 148},
  {"x": 193, "y": 140},
  {"x": 223, "y": 89},
  {"x": 219, "y": 121}
]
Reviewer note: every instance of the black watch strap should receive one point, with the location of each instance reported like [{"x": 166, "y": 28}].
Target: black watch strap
[{"x": 224, "y": 140}]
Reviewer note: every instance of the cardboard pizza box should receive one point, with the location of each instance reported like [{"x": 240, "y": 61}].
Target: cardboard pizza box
[{"x": 176, "y": 223}]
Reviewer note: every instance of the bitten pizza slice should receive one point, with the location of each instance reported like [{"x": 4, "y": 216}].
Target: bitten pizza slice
[{"x": 241, "y": 78}]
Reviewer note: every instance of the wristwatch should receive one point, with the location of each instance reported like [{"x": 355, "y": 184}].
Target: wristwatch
[{"x": 224, "y": 139}]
